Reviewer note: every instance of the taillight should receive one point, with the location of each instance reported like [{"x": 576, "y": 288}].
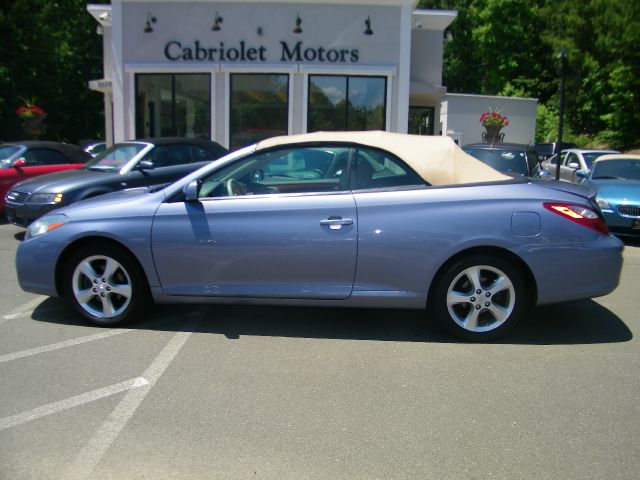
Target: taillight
[{"x": 582, "y": 215}]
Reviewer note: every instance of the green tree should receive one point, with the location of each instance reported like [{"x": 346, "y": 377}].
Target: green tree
[
  {"x": 49, "y": 51},
  {"x": 506, "y": 46}
]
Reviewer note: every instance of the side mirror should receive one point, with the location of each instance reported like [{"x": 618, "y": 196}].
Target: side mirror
[
  {"x": 146, "y": 165},
  {"x": 20, "y": 162},
  {"x": 582, "y": 174},
  {"x": 190, "y": 191},
  {"x": 574, "y": 165}
]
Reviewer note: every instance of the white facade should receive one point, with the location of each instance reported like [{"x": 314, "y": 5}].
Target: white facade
[
  {"x": 301, "y": 40},
  {"x": 460, "y": 117}
]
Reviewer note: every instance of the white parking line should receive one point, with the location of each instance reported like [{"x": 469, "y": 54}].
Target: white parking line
[
  {"x": 67, "y": 343},
  {"x": 24, "y": 309},
  {"x": 95, "y": 449},
  {"x": 29, "y": 305},
  {"x": 71, "y": 402},
  {"x": 28, "y": 313}
]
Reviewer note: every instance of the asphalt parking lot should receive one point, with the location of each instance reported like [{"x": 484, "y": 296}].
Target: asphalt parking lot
[{"x": 294, "y": 393}]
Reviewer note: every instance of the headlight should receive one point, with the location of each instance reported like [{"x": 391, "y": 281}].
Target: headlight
[
  {"x": 51, "y": 198},
  {"x": 46, "y": 224},
  {"x": 603, "y": 204}
]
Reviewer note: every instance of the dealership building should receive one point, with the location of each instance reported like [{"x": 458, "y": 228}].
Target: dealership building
[{"x": 239, "y": 71}]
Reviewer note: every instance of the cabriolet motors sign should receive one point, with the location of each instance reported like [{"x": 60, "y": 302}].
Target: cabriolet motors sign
[{"x": 196, "y": 51}]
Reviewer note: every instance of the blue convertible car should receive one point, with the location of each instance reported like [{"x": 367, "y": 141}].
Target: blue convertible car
[
  {"x": 616, "y": 179},
  {"x": 361, "y": 219}
]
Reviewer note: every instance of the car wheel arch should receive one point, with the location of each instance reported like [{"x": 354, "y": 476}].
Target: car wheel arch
[
  {"x": 68, "y": 251},
  {"x": 514, "y": 259}
]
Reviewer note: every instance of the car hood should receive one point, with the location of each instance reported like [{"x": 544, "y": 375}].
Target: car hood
[
  {"x": 61, "y": 182},
  {"x": 620, "y": 190},
  {"x": 98, "y": 207}
]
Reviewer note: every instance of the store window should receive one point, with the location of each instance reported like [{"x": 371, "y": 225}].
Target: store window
[
  {"x": 173, "y": 105},
  {"x": 259, "y": 107},
  {"x": 421, "y": 120},
  {"x": 338, "y": 102}
]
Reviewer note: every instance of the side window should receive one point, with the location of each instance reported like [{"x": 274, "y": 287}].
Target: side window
[
  {"x": 304, "y": 163},
  {"x": 372, "y": 168},
  {"x": 563, "y": 158},
  {"x": 199, "y": 154},
  {"x": 313, "y": 169},
  {"x": 169, "y": 155},
  {"x": 572, "y": 159},
  {"x": 44, "y": 156}
]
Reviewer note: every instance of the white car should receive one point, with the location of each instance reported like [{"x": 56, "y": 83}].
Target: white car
[{"x": 571, "y": 161}]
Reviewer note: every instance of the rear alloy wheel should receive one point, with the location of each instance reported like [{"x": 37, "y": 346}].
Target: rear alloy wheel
[
  {"x": 105, "y": 285},
  {"x": 479, "y": 298}
]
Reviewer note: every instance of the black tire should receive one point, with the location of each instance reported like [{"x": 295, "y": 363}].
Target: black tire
[
  {"x": 479, "y": 298},
  {"x": 105, "y": 298}
]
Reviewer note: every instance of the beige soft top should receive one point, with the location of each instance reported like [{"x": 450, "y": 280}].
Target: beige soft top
[
  {"x": 617, "y": 156},
  {"x": 437, "y": 159}
]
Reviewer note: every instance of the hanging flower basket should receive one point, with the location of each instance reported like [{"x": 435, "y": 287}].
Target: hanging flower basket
[
  {"x": 32, "y": 117},
  {"x": 493, "y": 122}
]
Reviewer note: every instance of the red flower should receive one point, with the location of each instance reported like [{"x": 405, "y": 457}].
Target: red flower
[
  {"x": 29, "y": 110},
  {"x": 493, "y": 118}
]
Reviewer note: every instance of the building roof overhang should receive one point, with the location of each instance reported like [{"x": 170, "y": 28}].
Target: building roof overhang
[
  {"x": 101, "y": 12},
  {"x": 423, "y": 19}
]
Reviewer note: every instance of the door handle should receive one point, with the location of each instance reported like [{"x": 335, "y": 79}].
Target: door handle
[{"x": 335, "y": 222}]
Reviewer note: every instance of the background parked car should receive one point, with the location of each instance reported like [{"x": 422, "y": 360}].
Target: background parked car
[
  {"x": 571, "y": 161},
  {"x": 545, "y": 150},
  {"x": 23, "y": 160},
  {"x": 616, "y": 179},
  {"x": 131, "y": 164},
  {"x": 512, "y": 158}
]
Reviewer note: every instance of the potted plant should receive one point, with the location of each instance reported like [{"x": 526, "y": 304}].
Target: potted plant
[
  {"x": 493, "y": 121},
  {"x": 32, "y": 117}
]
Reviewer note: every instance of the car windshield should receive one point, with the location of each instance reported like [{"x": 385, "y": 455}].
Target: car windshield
[
  {"x": 511, "y": 161},
  {"x": 116, "y": 157},
  {"x": 6, "y": 152},
  {"x": 627, "y": 169}
]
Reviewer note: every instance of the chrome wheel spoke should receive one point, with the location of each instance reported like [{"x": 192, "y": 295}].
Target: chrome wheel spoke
[
  {"x": 107, "y": 307},
  {"x": 87, "y": 270},
  {"x": 110, "y": 267},
  {"x": 471, "y": 322},
  {"x": 473, "y": 274},
  {"x": 502, "y": 283},
  {"x": 456, "y": 298},
  {"x": 499, "y": 313},
  {"x": 124, "y": 290},
  {"x": 84, "y": 296}
]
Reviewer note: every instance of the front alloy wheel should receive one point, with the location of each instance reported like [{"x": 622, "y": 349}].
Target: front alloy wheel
[
  {"x": 105, "y": 285},
  {"x": 102, "y": 287}
]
